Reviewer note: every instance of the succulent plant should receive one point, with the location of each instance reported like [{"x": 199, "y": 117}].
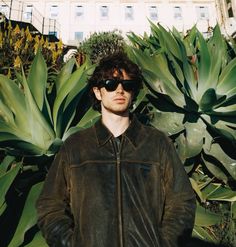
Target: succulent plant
[{"x": 191, "y": 96}]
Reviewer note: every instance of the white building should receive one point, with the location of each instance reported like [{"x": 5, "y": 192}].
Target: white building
[{"x": 72, "y": 21}]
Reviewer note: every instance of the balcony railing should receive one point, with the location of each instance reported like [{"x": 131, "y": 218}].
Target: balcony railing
[{"x": 20, "y": 11}]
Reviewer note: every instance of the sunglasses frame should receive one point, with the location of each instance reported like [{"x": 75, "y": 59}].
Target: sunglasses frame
[{"x": 112, "y": 84}]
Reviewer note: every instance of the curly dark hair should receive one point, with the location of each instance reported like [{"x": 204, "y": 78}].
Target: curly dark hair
[{"x": 105, "y": 70}]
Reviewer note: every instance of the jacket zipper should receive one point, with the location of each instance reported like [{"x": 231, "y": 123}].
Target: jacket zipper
[{"x": 119, "y": 195}]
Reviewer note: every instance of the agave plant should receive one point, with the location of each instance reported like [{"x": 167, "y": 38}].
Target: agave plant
[
  {"x": 192, "y": 96},
  {"x": 34, "y": 123},
  {"x": 29, "y": 125}
]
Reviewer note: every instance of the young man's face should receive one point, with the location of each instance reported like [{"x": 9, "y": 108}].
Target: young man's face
[{"x": 117, "y": 101}]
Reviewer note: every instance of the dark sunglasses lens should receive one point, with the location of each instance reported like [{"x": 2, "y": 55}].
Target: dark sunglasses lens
[
  {"x": 111, "y": 85},
  {"x": 129, "y": 85}
]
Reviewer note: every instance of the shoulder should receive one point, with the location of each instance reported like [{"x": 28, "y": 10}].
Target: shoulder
[
  {"x": 79, "y": 136},
  {"x": 154, "y": 132}
]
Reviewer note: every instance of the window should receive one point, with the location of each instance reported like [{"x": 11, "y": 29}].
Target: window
[
  {"x": 104, "y": 12},
  {"x": 177, "y": 13},
  {"x": 54, "y": 33},
  {"x": 79, "y": 36},
  {"x": 129, "y": 13},
  {"x": 28, "y": 12},
  {"x": 79, "y": 11},
  {"x": 54, "y": 11},
  {"x": 153, "y": 14},
  {"x": 202, "y": 13}
]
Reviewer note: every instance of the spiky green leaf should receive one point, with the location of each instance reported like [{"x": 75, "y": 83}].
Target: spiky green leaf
[{"x": 37, "y": 79}]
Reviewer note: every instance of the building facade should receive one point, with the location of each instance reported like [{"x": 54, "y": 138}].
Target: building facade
[{"x": 73, "y": 21}]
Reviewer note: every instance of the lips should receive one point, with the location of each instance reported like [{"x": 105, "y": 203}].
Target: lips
[{"x": 120, "y": 99}]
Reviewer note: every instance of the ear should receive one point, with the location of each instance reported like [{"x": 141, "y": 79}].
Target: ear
[{"x": 97, "y": 93}]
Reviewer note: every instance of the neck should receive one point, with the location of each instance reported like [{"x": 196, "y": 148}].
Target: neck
[{"x": 117, "y": 124}]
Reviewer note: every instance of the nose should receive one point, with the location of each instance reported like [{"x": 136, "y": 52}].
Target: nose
[{"x": 120, "y": 88}]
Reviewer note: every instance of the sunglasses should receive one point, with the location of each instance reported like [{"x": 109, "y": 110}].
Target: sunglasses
[{"x": 112, "y": 84}]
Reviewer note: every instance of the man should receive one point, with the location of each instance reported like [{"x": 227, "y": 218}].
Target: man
[{"x": 118, "y": 183}]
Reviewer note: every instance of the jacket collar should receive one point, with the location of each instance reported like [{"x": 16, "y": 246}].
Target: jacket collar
[{"x": 132, "y": 133}]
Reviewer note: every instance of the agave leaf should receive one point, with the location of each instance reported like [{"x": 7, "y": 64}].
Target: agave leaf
[
  {"x": 210, "y": 99},
  {"x": 177, "y": 34},
  {"x": 203, "y": 234},
  {"x": 158, "y": 67},
  {"x": 140, "y": 98},
  {"x": 67, "y": 115},
  {"x": 88, "y": 119},
  {"x": 6, "y": 181},
  {"x": 11, "y": 130},
  {"x": 228, "y": 105},
  {"x": 37, "y": 79},
  {"x": 168, "y": 41},
  {"x": 64, "y": 74},
  {"x": 216, "y": 160},
  {"x": 226, "y": 84},
  {"x": 190, "y": 144},
  {"x": 16, "y": 146},
  {"x": 3, "y": 207},
  {"x": 218, "y": 47},
  {"x": 190, "y": 83},
  {"x": 204, "y": 64},
  {"x": 68, "y": 109},
  {"x": 137, "y": 40},
  {"x": 38, "y": 241},
  {"x": 217, "y": 51},
  {"x": 157, "y": 34},
  {"x": 189, "y": 41},
  {"x": 205, "y": 217},
  {"x": 55, "y": 146},
  {"x": 168, "y": 122},
  {"x": 225, "y": 161},
  {"x": 28, "y": 216},
  {"x": 13, "y": 98},
  {"x": 72, "y": 83},
  {"x": 197, "y": 189},
  {"x": 44, "y": 134},
  {"x": 6, "y": 114},
  {"x": 178, "y": 70},
  {"x": 216, "y": 192},
  {"x": 226, "y": 128},
  {"x": 69, "y": 132},
  {"x": 5, "y": 137},
  {"x": 202, "y": 179},
  {"x": 163, "y": 103},
  {"x": 5, "y": 164},
  {"x": 80, "y": 86},
  {"x": 225, "y": 113}
]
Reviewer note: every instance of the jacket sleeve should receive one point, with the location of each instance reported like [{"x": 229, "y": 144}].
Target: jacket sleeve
[
  {"x": 180, "y": 202},
  {"x": 54, "y": 217}
]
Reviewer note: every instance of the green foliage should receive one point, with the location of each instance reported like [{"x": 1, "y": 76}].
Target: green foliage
[
  {"x": 189, "y": 93},
  {"x": 101, "y": 44},
  {"x": 192, "y": 96},
  {"x": 18, "y": 48},
  {"x": 25, "y": 108},
  {"x": 33, "y": 124},
  {"x": 7, "y": 176},
  {"x": 28, "y": 217}
]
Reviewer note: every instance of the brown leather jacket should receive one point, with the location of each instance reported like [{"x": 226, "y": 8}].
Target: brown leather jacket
[{"x": 98, "y": 195}]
